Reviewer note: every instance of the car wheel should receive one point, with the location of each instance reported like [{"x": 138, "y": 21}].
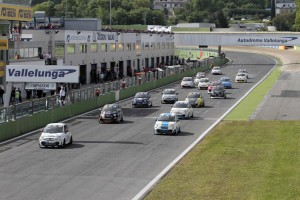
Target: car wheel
[
  {"x": 40, "y": 146},
  {"x": 176, "y": 132},
  {"x": 63, "y": 144},
  {"x": 192, "y": 115},
  {"x": 71, "y": 140},
  {"x": 122, "y": 118},
  {"x": 224, "y": 96}
]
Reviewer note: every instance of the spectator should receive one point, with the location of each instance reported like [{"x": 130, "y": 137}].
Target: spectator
[
  {"x": 1, "y": 95},
  {"x": 12, "y": 95},
  {"x": 28, "y": 94},
  {"x": 62, "y": 96},
  {"x": 20, "y": 96},
  {"x": 17, "y": 96}
]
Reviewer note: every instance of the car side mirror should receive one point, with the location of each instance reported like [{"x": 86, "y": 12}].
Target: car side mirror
[{"x": 42, "y": 130}]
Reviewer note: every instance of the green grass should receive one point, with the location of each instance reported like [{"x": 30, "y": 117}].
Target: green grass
[
  {"x": 247, "y": 106},
  {"x": 238, "y": 160}
]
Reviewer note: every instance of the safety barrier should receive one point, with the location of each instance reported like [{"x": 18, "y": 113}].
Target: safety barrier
[{"x": 28, "y": 116}]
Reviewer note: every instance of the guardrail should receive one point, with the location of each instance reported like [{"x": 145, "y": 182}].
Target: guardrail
[{"x": 20, "y": 118}]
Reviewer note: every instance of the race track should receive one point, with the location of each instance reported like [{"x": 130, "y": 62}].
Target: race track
[{"x": 115, "y": 161}]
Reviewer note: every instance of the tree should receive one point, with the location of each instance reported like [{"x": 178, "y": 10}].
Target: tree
[
  {"x": 284, "y": 21},
  {"x": 297, "y": 18},
  {"x": 48, "y": 7},
  {"x": 221, "y": 21}
]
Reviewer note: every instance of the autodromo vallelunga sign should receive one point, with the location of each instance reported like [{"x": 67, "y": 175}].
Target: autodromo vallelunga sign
[
  {"x": 40, "y": 74},
  {"x": 237, "y": 39}
]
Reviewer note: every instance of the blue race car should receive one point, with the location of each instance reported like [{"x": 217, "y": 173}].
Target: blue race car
[{"x": 226, "y": 82}]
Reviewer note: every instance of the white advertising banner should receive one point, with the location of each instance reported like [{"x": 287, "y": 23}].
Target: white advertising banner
[
  {"x": 42, "y": 73},
  {"x": 91, "y": 37},
  {"x": 40, "y": 86},
  {"x": 237, "y": 39}
]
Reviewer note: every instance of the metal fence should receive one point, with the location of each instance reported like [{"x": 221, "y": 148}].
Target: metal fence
[{"x": 31, "y": 107}]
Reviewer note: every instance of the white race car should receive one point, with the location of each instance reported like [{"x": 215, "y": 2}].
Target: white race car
[
  {"x": 167, "y": 124},
  {"x": 187, "y": 82},
  {"x": 216, "y": 70},
  {"x": 169, "y": 96},
  {"x": 55, "y": 135},
  {"x": 183, "y": 109},
  {"x": 241, "y": 77},
  {"x": 203, "y": 84}
]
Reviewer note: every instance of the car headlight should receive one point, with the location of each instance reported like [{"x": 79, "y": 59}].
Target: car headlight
[
  {"x": 156, "y": 126},
  {"x": 172, "y": 126},
  {"x": 42, "y": 137}
]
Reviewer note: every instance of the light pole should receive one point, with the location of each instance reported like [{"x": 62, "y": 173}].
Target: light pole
[{"x": 109, "y": 12}]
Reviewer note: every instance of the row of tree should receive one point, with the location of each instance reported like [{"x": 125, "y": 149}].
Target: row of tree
[{"x": 124, "y": 12}]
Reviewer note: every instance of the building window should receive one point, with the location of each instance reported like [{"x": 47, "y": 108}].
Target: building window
[
  {"x": 128, "y": 46},
  {"x": 138, "y": 48},
  {"x": 112, "y": 47},
  {"x": 147, "y": 45},
  {"x": 121, "y": 47},
  {"x": 70, "y": 48},
  {"x": 94, "y": 48},
  {"x": 59, "y": 49},
  {"x": 152, "y": 46},
  {"x": 104, "y": 47},
  {"x": 83, "y": 48}
]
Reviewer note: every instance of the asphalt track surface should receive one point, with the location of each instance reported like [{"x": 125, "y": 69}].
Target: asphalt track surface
[{"x": 115, "y": 161}]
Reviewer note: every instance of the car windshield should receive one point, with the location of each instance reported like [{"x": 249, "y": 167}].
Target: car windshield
[
  {"x": 54, "y": 129},
  {"x": 169, "y": 118},
  {"x": 141, "y": 95},
  {"x": 225, "y": 79},
  {"x": 187, "y": 79},
  {"x": 110, "y": 108},
  {"x": 169, "y": 92},
  {"x": 199, "y": 75},
  {"x": 180, "y": 105},
  {"x": 242, "y": 70},
  {"x": 204, "y": 80},
  {"x": 214, "y": 83},
  {"x": 216, "y": 68},
  {"x": 193, "y": 95},
  {"x": 240, "y": 74}
]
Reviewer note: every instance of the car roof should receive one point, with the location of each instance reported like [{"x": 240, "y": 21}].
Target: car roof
[
  {"x": 165, "y": 114},
  {"x": 218, "y": 87},
  {"x": 56, "y": 124},
  {"x": 225, "y": 77},
  {"x": 240, "y": 74},
  {"x": 194, "y": 93},
  {"x": 169, "y": 89},
  {"x": 112, "y": 105},
  {"x": 142, "y": 92}
]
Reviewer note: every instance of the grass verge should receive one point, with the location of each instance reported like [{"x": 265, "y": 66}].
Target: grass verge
[
  {"x": 238, "y": 160},
  {"x": 248, "y": 105}
]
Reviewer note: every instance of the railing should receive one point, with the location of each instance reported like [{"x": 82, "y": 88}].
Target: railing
[{"x": 31, "y": 107}]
